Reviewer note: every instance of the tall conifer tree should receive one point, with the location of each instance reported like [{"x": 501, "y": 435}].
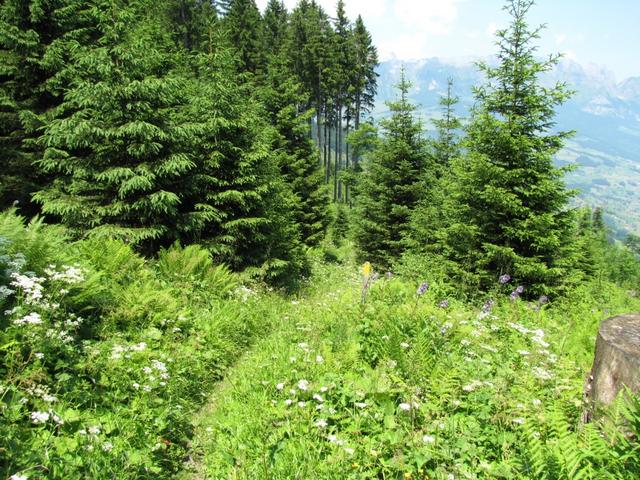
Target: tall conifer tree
[
  {"x": 35, "y": 40},
  {"x": 509, "y": 204},
  {"x": 119, "y": 155},
  {"x": 244, "y": 28},
  {"x": 391, "y": 185}
]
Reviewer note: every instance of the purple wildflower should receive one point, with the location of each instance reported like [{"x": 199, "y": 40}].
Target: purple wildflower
[
  {"x": 422, "y": 289},
  {"x": 444, "y": 304},
  {"x": 520, "y": 289},
  {"x": 543, "y": 300},
  {"x": 506, "y": 278},
  {"x": 514, "y": 295},
  {"x": 375, "y": 276},
  {"x": 488, "y": 305}
]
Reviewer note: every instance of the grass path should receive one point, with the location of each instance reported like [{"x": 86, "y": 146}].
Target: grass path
[
  {"x": 404, "y": 388},
  {"x": 239, "y": 408}
]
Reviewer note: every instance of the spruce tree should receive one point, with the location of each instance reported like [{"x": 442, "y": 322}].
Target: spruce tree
[
  {"x": 244, "y": 29},
  {"x": 364, "y": 77},
  {"x": 119, "y": 154},
  {"x": 237, "y": 202},
  {"x": 509, "y": 206},
  {"x": 35, "y": 38},
  {"x": 436, "y": 179},
  {"x": 284, "y": 99},
  {"x": 275, "y": 27},
  {"x": 391, "y": 185},
  {"x": 446, "y": 145}
]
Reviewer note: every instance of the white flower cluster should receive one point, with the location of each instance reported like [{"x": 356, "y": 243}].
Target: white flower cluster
[
  {"x": 118, "y": 351},
  {"x": 31, "y": 287},
  {"x": 68, "y": 274},
  {"x": 157, "y": 368},
  {"x": 41, "y": 391},
  {"x": 43, "y": 417},
  {"x": 243, "y": 293},
  {"x": 32, "y": 318}
]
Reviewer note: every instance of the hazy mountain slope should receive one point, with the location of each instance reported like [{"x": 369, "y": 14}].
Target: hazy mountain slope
[{"x": 605, "y": 115}]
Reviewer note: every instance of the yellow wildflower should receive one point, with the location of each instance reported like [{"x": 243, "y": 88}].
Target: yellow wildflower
[{"x": 366, "y": 269}]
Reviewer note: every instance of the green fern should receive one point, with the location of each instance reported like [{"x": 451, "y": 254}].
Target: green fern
[{"x": 194, "y": 263}]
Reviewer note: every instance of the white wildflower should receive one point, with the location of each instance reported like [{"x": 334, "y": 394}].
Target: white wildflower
[
  {"x": 536, "y": 402},
  {"x": 17, "y": 476},
  {"x": 324, "y": 389},
  {"x": 349, "y": 451},
  {"x": 321, "y": 423},
  {"x": 40, "y": 417},
  {"x": 519, "y": 421},
  {"x": 94, "y": 430},
  {"x": 288, "y": 402},
  {"x": 541, "y": 373},
  {"x": 39, "y": 355},
  {"x": 31, "y": 319},
  {"x": 404, "y": 345},
  {"x": 524, "y": 353},
  {"x": 428, "y": 439},
  {"x": 318, "y": 398},
  {"x": 303, "y": 385},
  {"x": 319, "y": 359},
  {"x": 280, "y": 386},
  {"x": 360, "y": 405},
  {"x": 302, "y": 404},
  {"x": 107, "y": 446},
  {"x": 405, "y": 407}
]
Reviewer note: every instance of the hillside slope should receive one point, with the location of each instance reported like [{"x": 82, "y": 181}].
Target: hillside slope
[{"x": 604, "y": 114}]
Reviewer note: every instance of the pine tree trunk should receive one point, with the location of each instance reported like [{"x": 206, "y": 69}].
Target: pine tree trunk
[
  {"x": 318, "y": 111},
  {"x": 347, "y": 189},
  {"x": 325, "y": 143},
  {"x": 356, "y": 125},
  {"x": 616, "y": 364},
  {"x": 327, "y": 148},
  {"x": 335, "y": 165},
  {"x": 340, "y": 139}
]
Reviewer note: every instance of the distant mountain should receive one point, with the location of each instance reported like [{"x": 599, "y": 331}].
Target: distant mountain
[{"x": 604, "y": 114}]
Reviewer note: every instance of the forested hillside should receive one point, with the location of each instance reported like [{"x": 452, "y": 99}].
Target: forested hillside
[
  {"x": 187, "y": 190},
  {"x": 605, "y": 115}
]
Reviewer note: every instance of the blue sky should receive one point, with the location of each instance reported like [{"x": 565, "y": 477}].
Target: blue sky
[{"x": 605, "y": 33}]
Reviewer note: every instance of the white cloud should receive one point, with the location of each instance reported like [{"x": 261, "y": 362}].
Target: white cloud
[
  {"x": 408, "y": 46},
  {"x": 561, "y": 38},
  {"x": 492, "y": 28},
  {"x": 434, "y": 17}
]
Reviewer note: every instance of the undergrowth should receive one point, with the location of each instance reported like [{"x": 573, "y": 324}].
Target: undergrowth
[{"x": 105, "y": 356}]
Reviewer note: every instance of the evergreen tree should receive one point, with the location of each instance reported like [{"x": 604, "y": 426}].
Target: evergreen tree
[
  {"x": 509, "y": 206},
  {"x": 275, "y": 21},
  {"x": 364, "y": 77},
  {"x": 436, "y": 182},
  {"x": 283, "y": 99},
  {"x": 192, "y": 22},
  {"x": 244, "y": 28},
  {"x": 237, "y": 201},
  {"x": 35, "y": 37},
  {"x": 343, "y": 47},
  {"x": 391, "y": 185},
  {"x": 446, "y": 146},
  {"x": 119, "y": 155}
]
